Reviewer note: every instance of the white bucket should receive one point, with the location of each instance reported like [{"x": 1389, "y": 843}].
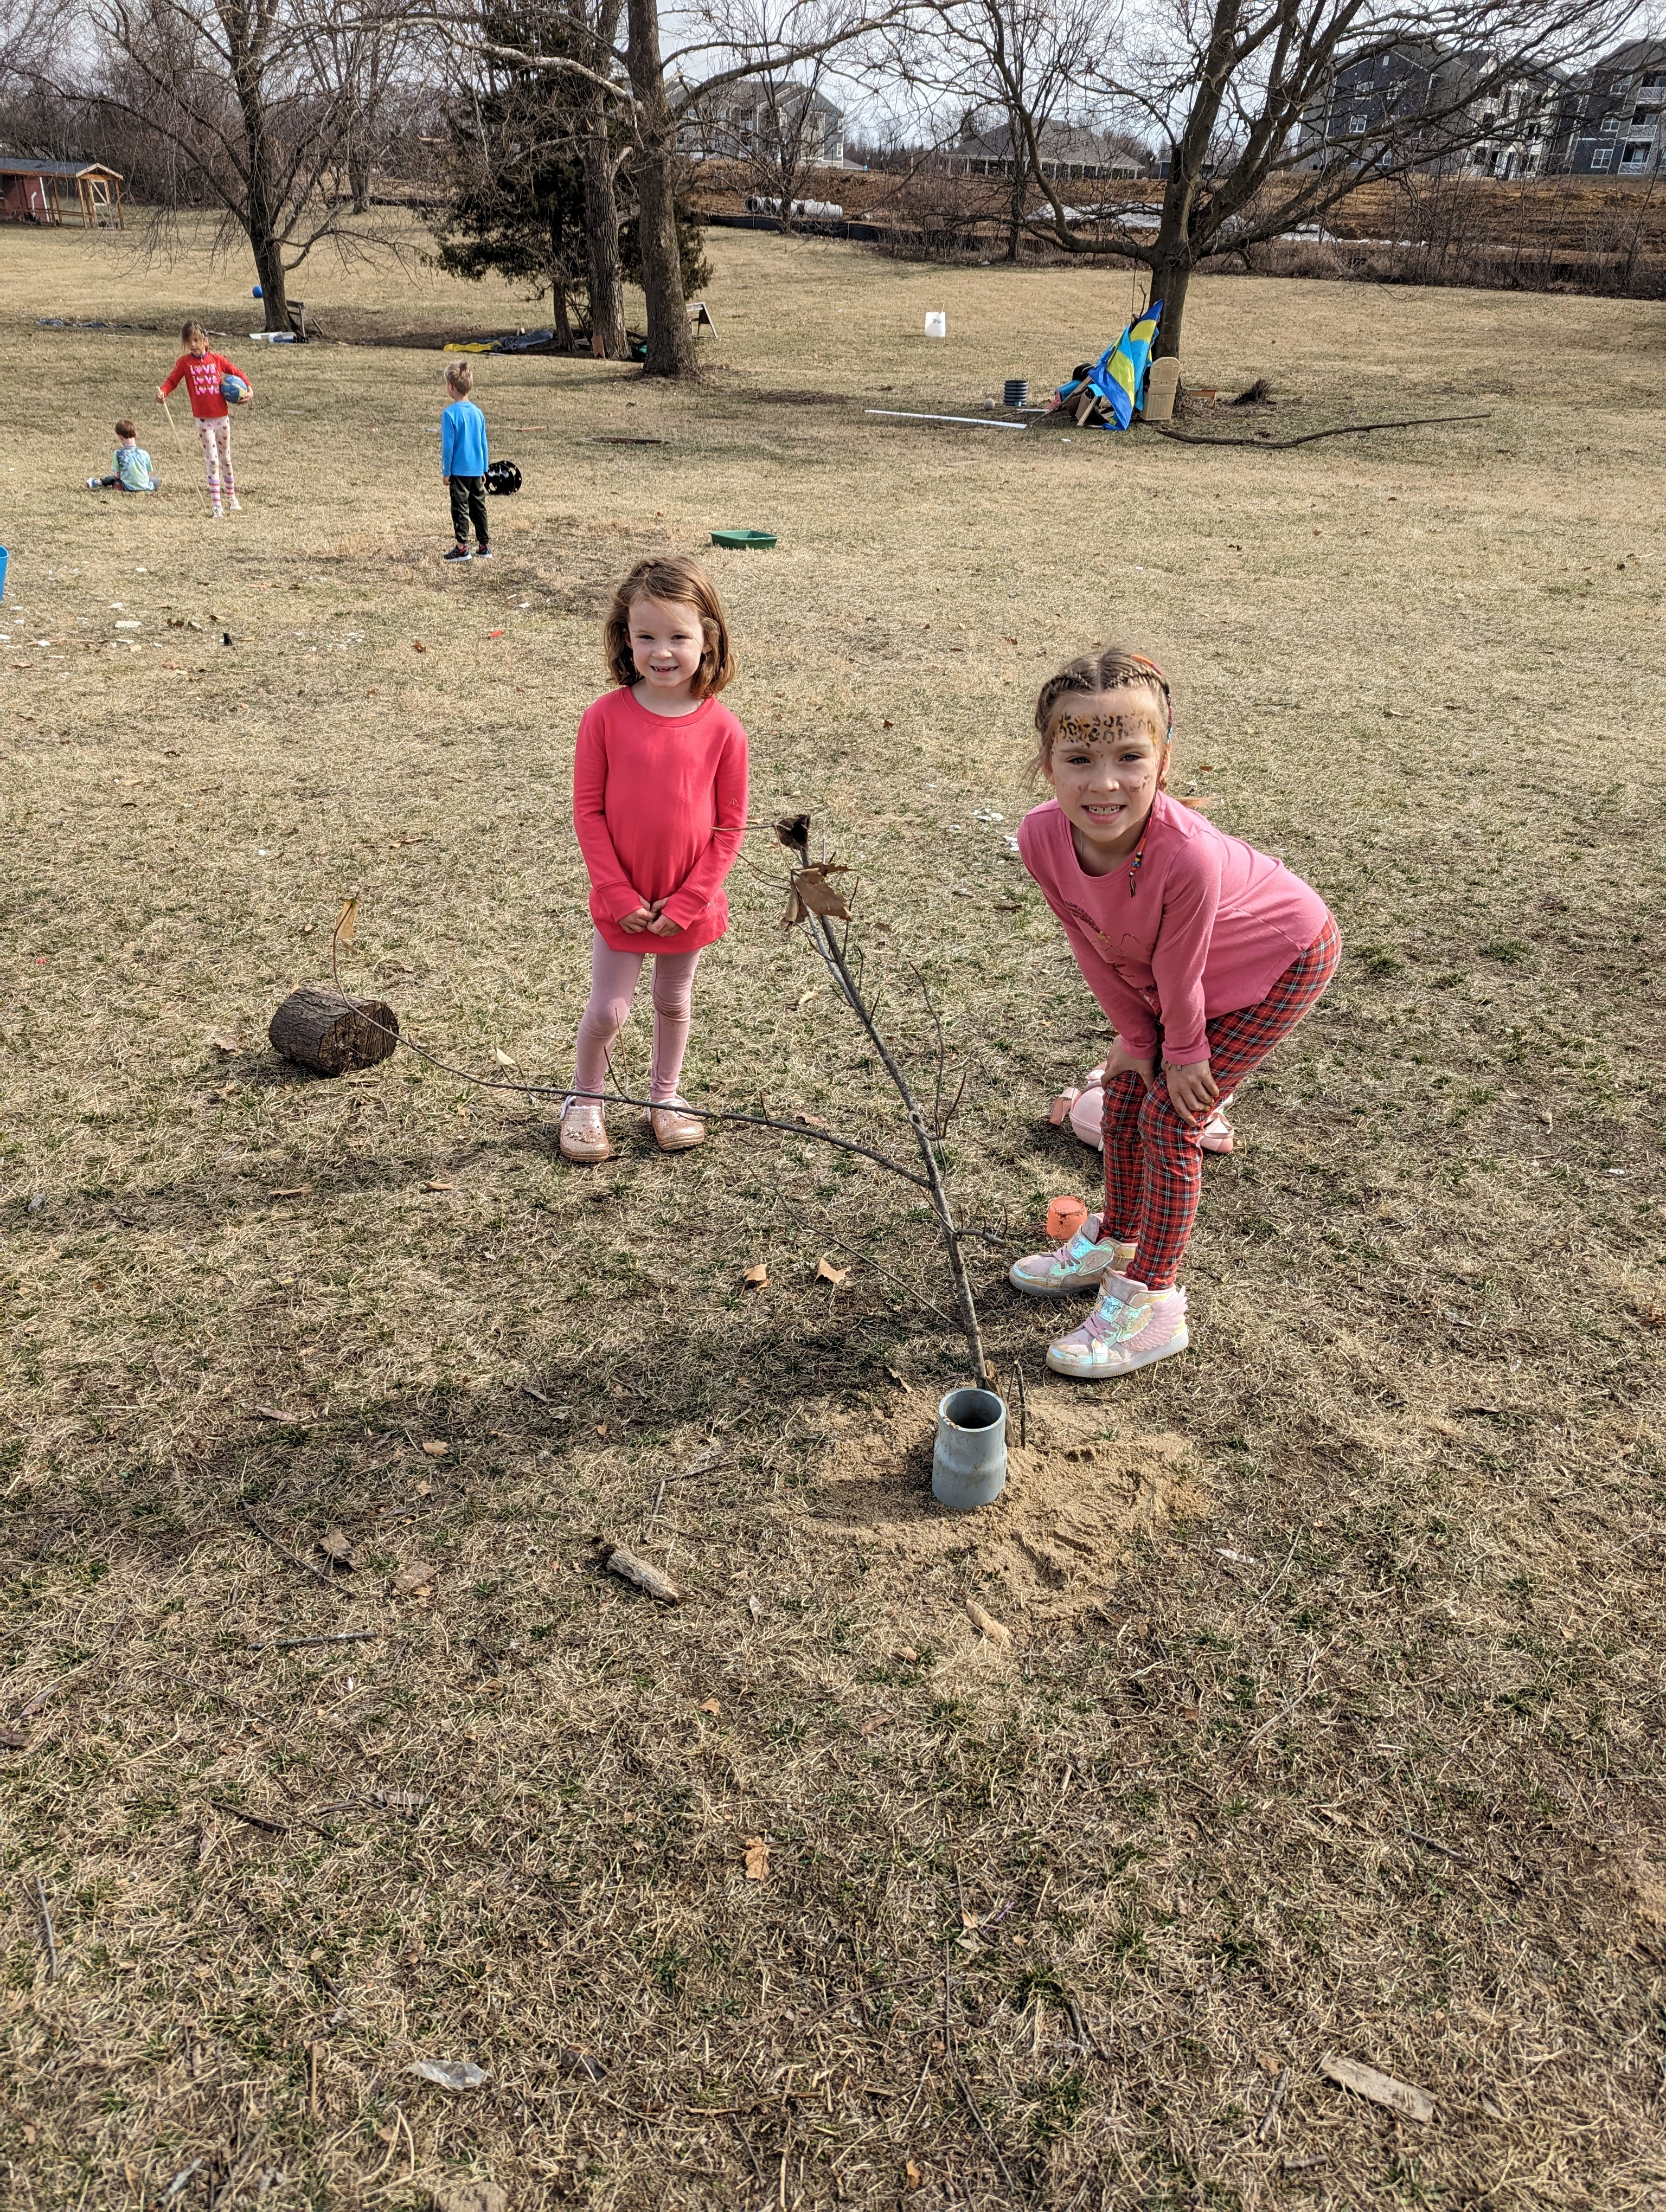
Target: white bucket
[
  {"x": 969, "y": 1467},
  {"x": 937, "y": 325}
]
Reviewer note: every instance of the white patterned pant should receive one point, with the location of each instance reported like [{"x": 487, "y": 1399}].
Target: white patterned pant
[{"x": 216, "y": 434}]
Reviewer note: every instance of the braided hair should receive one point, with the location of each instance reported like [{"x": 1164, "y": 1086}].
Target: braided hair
[{"x": 1108, "y": 670}]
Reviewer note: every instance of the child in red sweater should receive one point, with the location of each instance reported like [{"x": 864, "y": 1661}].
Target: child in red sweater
[
  {"x": 659, "y": 805},
  {"x": 1203, "y": 952},
  {"x": 205, "y": 375}
]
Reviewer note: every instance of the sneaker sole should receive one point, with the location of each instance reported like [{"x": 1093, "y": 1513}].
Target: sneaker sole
[
  {"x": 1178, "y": 1342},
  {"x": 1045, "y": 1290}
]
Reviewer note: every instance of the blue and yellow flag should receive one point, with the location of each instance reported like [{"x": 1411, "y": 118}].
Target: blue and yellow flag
[{"x": 1119, "y": 375}]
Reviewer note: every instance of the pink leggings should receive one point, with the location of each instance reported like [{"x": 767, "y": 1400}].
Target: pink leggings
[{"x": 613, "y": 979}]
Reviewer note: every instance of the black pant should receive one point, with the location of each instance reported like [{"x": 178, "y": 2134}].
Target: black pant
[{"x": 468, "y": 503}]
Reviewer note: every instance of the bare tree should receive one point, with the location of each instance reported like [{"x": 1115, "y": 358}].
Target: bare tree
[
  {"x": 1244, "y": 96},
  {"x": 773, "y": 126},
  {"x": 1022, "y": 62},
  {"x": 661, "y": 91},
  {"x": 251, "y": 104}
]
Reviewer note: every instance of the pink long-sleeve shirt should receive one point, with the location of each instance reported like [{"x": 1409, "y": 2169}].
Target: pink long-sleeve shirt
[
  {"x": 1209, "y": 927},
  {"x": 659, "y": 805}
]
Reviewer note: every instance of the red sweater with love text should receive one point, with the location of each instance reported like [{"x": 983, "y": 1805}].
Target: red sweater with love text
[
  {"x": 659, "y": 806},
  {"x": 202, "y": 374}
]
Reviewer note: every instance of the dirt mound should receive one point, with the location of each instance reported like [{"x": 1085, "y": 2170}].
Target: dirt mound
[{"x": 1084, "y": 1486}]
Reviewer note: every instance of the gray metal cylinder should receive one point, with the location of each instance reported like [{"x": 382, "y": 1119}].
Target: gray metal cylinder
[{"x": 969, "y": 1467}]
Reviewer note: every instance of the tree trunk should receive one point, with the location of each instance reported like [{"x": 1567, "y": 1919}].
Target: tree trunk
[
  {"x": 358, "y": 178},
  {"x": 261, "y": 205},
  {"x": 1169, "y": 276},
  {"x": 601, "y": 235},
  {"x": 322, "y": 1029},
  {"x": 670, "y": 346},
  {"x": 1020, "y": 168}
]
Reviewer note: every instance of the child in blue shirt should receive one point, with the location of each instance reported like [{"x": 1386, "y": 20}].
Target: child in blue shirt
[
  {"x": 463, "y": 462},
  {"x": 131, "y": 463}
]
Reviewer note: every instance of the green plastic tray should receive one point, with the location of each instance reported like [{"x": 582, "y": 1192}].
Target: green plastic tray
[{"x": 744, "y": 541}]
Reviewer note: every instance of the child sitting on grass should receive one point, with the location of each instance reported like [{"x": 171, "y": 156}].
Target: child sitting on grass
[
  {"x": 1203, "y": 952},
  {"x": 131, "y": 463},
  {"x": 660, "y": 807},
  {"x": 463, "y": 464}
]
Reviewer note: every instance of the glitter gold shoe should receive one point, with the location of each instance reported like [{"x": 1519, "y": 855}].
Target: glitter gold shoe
[
  {"x": 582, "y": 1135},
  {"x": 675, "y": 1129}
]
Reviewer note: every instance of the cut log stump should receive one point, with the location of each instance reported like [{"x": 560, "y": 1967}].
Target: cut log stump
[{"x": 323, "y": 1029}]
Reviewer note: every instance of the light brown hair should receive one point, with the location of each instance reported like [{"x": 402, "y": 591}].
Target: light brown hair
[
  {"x": 126, "y": 429},
  {"x": 1108, "y": 670},
  {"x": 459, "y": 375},
  {"x": 673, "y": 580},
  {"x": 193, "y": 329}
]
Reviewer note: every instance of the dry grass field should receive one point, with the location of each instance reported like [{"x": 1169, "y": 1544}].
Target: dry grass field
[{"x": 1330, "y": 1725}]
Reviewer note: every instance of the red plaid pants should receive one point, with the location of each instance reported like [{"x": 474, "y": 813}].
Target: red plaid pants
[{"x": 1153, "y": 1162}]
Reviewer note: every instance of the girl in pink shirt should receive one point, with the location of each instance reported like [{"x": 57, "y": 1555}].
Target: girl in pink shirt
[
  {"x": 204, "y": 375},
  {"x": 659, "y": 805},
  {"x": 1202, "y": 951}
]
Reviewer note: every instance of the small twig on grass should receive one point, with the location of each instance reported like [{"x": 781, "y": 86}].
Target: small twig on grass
[
  {"x": 294, "y": 1559},
  {"x": 47, "y": 1928},
  {"x": 1444, "y": 1850},
  {"x": 1342, "y": 430},
  {"x": 1084, "y": 2040},
  {"x": 1271, "y": 2114},
  {"x": 300, "y": 1643},
  {"x": 1280, "y": 1574}
]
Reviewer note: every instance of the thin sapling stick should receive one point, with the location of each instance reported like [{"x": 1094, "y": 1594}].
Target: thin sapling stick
[{"x": 813, "y": 902}]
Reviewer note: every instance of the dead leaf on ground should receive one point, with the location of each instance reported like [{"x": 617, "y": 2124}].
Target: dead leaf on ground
[
  {"x": 434, "y": 1449},
  {"x": 417, "y": 645},
  {"x": 276, "y": 1413},
  {"x": 912, "y": 2172},
  {"x": 756, "y": 1277},
  {"x": 411, "y": 1579},
  {"x": 811, "y": 1120},
  {"x": 754, "y": 1608},
  {"x": 878, "y": 1721},
  {"x": 757, "y": 1858},
  {"x": 336, "y": 1550},
  {"x": 986, "y": 1625},
  {"x": 222, "y": 1042},
  {"x": 13, "y": 1740},
  {"x": 571, "y": 2060},
  {"x": 630, "y": 1569},
  {"x": 827, "y": 1272},
  {"x": 710, "y": 1705},
  {"x": 907, "y": 1654},
  {"x": 1382, "y": 2088},
  {"x": 503, "y": 1059},
  {"x": 437, "y": 1185},
  {"x": 295, "y": 1190}
]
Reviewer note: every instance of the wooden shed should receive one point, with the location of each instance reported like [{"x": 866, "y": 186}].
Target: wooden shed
[{"x": 81, "y": 195}]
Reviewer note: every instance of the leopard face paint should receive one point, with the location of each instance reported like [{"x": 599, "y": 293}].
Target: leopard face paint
[{"x": 1106, "y": 729}]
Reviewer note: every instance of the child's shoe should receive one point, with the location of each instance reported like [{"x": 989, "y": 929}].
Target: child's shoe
[
  {"x": 460, "y": 553},
  {"x": 483, "y": 553},
  {"x": 1130, "y": 1327},
  {"x": 95, "y": 483},
  {"x": 214, "y": 515},
  {"x": 675, "y": 1129},
  {"x": 235, "y": 504},
  {"x": 1077, "y": 1266},
  {"x": 582, "y": 1135}
]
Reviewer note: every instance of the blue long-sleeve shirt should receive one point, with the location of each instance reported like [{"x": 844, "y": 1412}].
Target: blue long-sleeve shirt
[{"x": 463, "y": 441}]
